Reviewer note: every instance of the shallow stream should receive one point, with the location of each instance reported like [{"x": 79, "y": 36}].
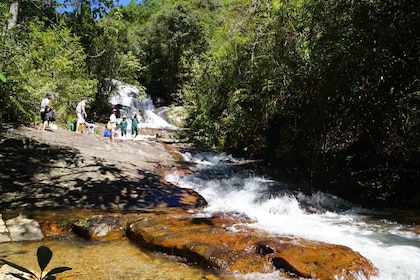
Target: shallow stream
[
  {"x": 389, "y": 239},
  {"x": 115, "y": 260}
]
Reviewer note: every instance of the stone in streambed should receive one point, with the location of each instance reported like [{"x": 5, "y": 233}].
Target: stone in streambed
[
  {"x": 109, "y": 227},
  {"x": 21, "y": 228},
  {"x": 226, "y": 242},
  {"x": 317, "y": 259}
]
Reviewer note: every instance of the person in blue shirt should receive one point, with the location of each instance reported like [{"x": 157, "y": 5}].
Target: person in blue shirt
[
  {"x": 134, "y": 126},
  {"x": 123, "y": 126}
]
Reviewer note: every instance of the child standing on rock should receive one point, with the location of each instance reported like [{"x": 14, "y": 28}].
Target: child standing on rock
[{"x": 123, "y": 126}]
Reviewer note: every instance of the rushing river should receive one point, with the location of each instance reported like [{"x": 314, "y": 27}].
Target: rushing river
[{"x": 389, "y": 245}]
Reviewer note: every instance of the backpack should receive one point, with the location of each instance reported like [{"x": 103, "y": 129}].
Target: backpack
[{"x": 52, "y": 116}]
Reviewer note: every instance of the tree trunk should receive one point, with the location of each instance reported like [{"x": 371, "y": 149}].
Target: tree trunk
[{"x": 13, "y": 10}]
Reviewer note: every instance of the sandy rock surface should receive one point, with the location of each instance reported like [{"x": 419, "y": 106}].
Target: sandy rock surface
[{"x": 64, "y": 169}]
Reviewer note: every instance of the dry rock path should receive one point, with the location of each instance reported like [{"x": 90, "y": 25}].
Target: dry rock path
[{"x": 64, "y": 169}]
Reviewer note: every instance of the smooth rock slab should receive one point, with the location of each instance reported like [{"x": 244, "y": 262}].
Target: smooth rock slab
[
  {"x": 21, "y": 228},
  {"x": 225, "y": 242},
  {"x": 5, "y": 273},
  {"x": 4, "y": 232}
]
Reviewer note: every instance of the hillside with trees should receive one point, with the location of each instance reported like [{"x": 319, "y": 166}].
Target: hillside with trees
[{"x": 328, "y": 90}]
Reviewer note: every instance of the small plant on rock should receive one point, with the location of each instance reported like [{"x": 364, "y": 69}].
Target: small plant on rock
[{"x": 44, "y": 255}]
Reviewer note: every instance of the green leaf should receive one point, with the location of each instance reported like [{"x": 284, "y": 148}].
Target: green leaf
[
  {"x": 3, "y": 78},
  {"x": 18, "y": 267},
  {"x": 16, "y": 275},
  {"x": 44, "y": 256},
  {"x": 57, "y": 270}
]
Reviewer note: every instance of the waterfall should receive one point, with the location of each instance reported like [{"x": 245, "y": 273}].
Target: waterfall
[{"x": 128, "y": 100}]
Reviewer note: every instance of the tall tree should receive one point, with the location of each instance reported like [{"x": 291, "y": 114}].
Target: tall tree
[
  {"x": 39, "y": 57},
  {"x": 175, "y": 40}
]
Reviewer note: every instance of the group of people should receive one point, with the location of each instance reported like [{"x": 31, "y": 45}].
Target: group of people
[
  {"x": 123, "y": 125},
  {"x": 82, "y": 115}
]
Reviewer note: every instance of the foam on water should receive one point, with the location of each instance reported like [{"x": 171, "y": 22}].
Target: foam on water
[
  {"x": 317, "y": 216},
  {"x": 129, "y": 97}
]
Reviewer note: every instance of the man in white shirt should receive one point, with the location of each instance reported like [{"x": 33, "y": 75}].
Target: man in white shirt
[
  {"x": 45, "y": 108},
  {"x": 81, "y": 115}
]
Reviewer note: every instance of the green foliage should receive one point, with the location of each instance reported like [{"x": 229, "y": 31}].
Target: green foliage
[
  {"x": 39, "y": 59},
  {"x": 44, "y": 255},
  {"x": 337, "y": 80},
  {"x": 175, "y": 41}
]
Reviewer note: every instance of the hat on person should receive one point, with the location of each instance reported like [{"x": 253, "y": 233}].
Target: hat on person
[
  {"x": 49, "y": 94},
  {"x": 124, "y": 117},
  {"x": 114, "y": 110}
]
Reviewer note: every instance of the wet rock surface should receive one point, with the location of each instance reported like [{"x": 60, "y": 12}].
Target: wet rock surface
[{"x": 226, "y": 242}]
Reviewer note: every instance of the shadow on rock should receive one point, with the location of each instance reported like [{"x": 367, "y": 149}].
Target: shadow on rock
[{"x": 35, "y": 175}]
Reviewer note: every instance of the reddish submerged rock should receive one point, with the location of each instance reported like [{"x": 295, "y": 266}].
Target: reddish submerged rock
[{"x": 225, "y": 242}]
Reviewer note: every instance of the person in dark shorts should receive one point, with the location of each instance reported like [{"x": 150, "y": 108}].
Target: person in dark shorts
[{"x": 45, "y": 109}]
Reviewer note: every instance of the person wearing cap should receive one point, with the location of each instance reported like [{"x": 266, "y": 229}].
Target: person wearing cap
[
  {"x": 113, "y": 121},
  {"x": 123, "y": 126},
  {"x": 81, "y": 115},
  {"x": 45, "y": 109}
]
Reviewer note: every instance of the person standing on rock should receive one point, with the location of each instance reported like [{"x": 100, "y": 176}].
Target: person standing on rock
[
  {"x": 81, "y": 115},
  {"x": 134, "y": 126},
  {"x": 45, "y": 109},
  {"x": 123, "y": 126},
  {"x": 113, "y": 121}
]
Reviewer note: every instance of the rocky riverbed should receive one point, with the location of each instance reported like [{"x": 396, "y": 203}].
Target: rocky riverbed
[{"x": 83, "y": 187}]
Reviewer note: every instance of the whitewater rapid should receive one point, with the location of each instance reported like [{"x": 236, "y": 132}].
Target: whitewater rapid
[{"x": 277, "y": 208}]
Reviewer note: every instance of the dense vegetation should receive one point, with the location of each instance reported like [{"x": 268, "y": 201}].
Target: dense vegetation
[{"x": 326, "y": 88}]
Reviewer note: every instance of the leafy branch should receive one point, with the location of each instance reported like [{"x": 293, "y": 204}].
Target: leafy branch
[{"x": 44, "y": 255}]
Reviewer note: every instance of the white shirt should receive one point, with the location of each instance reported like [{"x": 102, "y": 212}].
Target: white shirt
[
  {"x": 113, "y": 120},
  {"x": 81, "y": 107},
  {"x": 44, "y": 103}
]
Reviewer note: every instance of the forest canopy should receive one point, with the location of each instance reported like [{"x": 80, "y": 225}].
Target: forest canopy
[{"x": 327, "y": 89}]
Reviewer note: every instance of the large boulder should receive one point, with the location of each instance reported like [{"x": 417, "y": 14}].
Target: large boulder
[
  {"x": 227, "y": 242},
  {"x": 20, "y": 228}
]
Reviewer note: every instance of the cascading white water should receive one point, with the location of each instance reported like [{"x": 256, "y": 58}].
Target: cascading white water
[
  {"x": 128, "y": 97},
  {"x": 392, "y": 249}
]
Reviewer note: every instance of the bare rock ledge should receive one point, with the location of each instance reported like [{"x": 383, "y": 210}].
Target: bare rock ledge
[{"x": 227, "y": 243}]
